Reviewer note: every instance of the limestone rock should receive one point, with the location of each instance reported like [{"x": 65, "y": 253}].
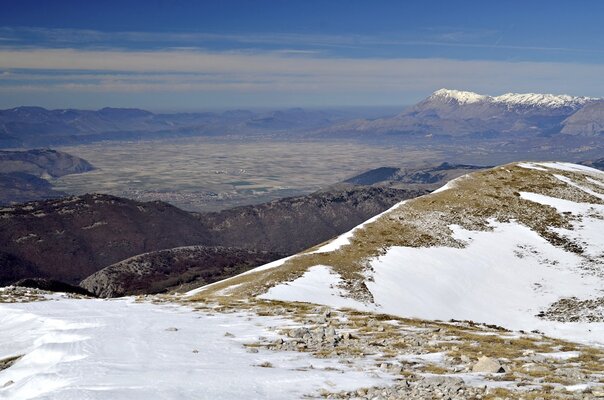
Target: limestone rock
[{"x": 488, "y": 365}]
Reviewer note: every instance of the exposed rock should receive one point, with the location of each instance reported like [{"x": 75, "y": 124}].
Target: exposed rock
[
  {"x": 488, "y": 365},
  {"x": 52, "y": 285},
  {"x": 571, "y": 309},
  {"x": 9, "y": 361},
  {"x": 294, "y": 224},
  {"x": 181, "y": 268}
]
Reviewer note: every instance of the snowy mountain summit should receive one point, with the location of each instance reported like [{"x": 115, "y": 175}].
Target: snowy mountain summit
[
  {"x": 458, "y": 96},
  {"x": 511, "y": 100}
]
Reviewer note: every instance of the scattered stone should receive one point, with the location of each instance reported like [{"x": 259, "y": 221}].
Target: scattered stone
[
  {"x": 347, "y": 337},
  {"x": 265, "y": 364},
  {"x": 488, "y": 365},
  {"x": 9, "y": 361}
]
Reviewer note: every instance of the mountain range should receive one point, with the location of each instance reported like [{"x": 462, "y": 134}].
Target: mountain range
[
  {"x": 71, "y": 238},
  {"x": 444, "y": 113},
  {"x": 461, "y": 113},
  {"x": 37, "y": 126}
]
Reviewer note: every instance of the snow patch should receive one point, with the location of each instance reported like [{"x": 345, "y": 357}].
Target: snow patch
[
  {"x": 271, "y": 265},
  {"x": 569, "y": 181},
  {"x": 531, "y": 166},
  {"x": 570, "y": 167},
  {"x": 318, "y": 285},
  {"x": 491, "y": 280},
  {"x": 562, "y": 205},
  {"x": 344, "y": 239},
  {"x": 449, "y": 185},
  {"x": 122, "y": 350}
]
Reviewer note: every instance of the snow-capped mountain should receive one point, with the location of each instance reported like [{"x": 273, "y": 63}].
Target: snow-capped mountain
[
  {"x": 462, "y": 113},
  {"x": 457, "y": 96},
  {"x": 511, "y": 100},
  {"x": 520, "y": 246}
]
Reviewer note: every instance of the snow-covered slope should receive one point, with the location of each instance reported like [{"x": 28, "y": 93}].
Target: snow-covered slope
[
  {"x": 521, "y": 246},
  {"x": 123, "y": 350},
  {"x": 513, "y": 99},
  {"x": 458, "y": 96}
]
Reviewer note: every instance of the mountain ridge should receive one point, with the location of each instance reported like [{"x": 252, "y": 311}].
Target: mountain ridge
[
  {"x": 546, "y": 100},
  {"x": 458, "y": 113},
  {"x": 537, "y": 221}
]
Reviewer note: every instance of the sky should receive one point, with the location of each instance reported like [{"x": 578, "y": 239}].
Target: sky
[{"x": 194, "y": 55}]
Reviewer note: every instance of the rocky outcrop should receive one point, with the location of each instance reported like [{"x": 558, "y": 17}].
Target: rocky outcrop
[
  {"x": 297, "y": 223},
  {"x": 180, "y": 268},
  {"x": 70, "y": 238},
  {"x": 488, "y": 365},
  {"x": 51, "y": 285},
  {"x": 572, "y": 309}
]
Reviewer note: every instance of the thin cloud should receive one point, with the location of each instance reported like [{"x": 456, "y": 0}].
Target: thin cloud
[
  {"x": 436, "y": 37},
  {"x": 72, "y": 70}
]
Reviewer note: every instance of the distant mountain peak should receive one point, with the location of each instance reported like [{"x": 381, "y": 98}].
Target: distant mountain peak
[
  {"x": 543, "y": 100},
  {"x": 459, "y": 96},
  {"x": 540, "y": 100}
]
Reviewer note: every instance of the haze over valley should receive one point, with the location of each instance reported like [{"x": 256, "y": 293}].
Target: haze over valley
[{"x": 301, "y": 200}]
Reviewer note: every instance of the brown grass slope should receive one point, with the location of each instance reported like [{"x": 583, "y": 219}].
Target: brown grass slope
[{"x": 473, "y": 200}]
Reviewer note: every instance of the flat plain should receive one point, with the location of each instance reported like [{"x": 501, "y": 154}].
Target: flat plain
[{"x": 204, "y": 174}]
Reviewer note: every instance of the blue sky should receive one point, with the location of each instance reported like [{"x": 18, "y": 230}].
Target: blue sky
[{"x": 228, "y": 54}]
